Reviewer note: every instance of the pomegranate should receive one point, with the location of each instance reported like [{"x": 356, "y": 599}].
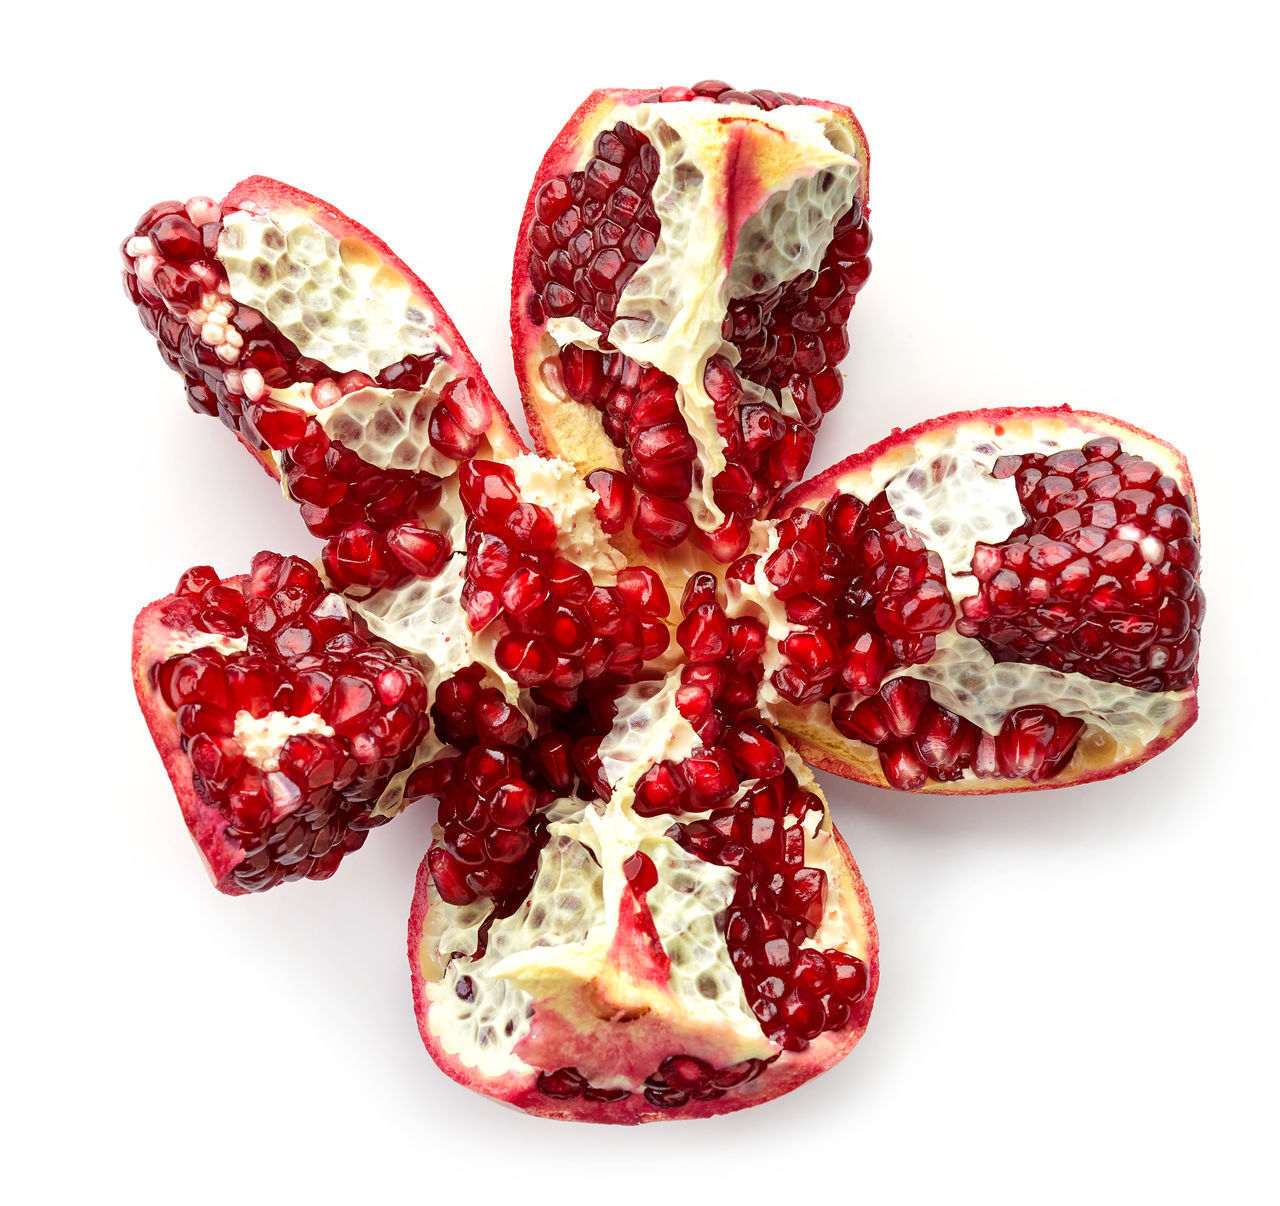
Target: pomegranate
[{"x": 608, "y": 664}]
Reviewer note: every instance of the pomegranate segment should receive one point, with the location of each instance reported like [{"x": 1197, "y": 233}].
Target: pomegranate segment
[
  {"x": 652, "y": 966},
  {"x": 686, "y": 267},
  {"x": 308, "y": 338},
  {"x": 1047, "y": 633},
  {"x": 280, "y": 719}
]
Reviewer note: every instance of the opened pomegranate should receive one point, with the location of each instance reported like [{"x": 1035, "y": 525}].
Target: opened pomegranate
[{"x": 607, "y": 664}]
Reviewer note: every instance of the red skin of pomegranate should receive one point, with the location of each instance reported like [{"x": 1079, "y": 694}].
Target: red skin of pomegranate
[
  {"x": 788, "y": 1072},
  {"x": 831, "y": 753}
]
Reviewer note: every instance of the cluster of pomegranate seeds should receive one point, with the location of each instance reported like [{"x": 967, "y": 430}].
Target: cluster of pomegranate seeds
[
  {"x": 793, "y": 337},
  {"x": 494, "y": 790},
  {"x": 230, "y": 355},
  {"x": 297, "y": 809},
  {"x": 1101, "y": 579},
  {"x": 723, "y": 659},
  {"x": 681, "y": 1079},
  {"x": 560, "y": 628},
  {"x": 489, "y": 820},
  {"x": 868, "y": 593},
  {"x": 678, "y": 1080},
  {"x": 465, "y": 712},
  {"x": 372, "y": 519},
  {"x": 717, "y": 694},
  {"x": 566, "y": 1083},
  {"x": 592, "y": 229},
  {"x": 919, "y": 740},
  {"x": 641, "y": 416},
  {"x": 795, "y": 991}
]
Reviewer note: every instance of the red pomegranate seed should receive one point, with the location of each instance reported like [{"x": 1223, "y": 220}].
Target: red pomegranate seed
[
  {"x": 660, "y": 521},
  {"x": 754, "y": 751},
  {"x": 640, "y": 872},
  {"x": 420, "y": 550},
  {"x": 527, "y": 659},
  {"x": 614, "y": 492},
  {"x": 704, "y": 633},
  {"x": 644, "y": 591}
]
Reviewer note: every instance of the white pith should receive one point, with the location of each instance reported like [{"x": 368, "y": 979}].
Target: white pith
[
  {"x": 554, "y": 951},
  {"x": 554, "y": 484},
  {"x": 941, "y": 487},
  {"x": 336, "y": 299},
  {"x": 671, "y": 312},
  {"x": 388, "y": 428},
  {"x": 646, "y": 729},
  {"x": 262, "y": 737},
  {"x": 188, "y": 642},
  {"x": 425, "y": 618}
]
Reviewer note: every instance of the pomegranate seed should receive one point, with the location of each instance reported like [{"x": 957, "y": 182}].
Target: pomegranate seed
[
  {"x": 660, "y": 521},
  {"x": 614, "y": 492},
  {"x": 420, "y": 550},
  {"x": 644, "y": 591},
  {"x": 754, "y": 751},
  {"x": 704, "y": 633},
  {"x": 525, "y": 658},
  {"x": 641, "y": 874}
]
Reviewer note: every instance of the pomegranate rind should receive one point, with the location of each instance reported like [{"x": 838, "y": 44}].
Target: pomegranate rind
[
  {"x": 828, "y": 750},
  {"x": 787, "y": 1072},
  {"x": 559, "y": 427},
  {"x": 268, "y": 194},
  {"x": 207, "y": 825}
]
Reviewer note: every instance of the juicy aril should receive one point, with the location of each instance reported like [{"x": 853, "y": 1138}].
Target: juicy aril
[{"x": 607, "y": 662}]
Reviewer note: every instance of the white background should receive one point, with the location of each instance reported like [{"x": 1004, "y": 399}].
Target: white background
[{"x": 1070, "y": 203}]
